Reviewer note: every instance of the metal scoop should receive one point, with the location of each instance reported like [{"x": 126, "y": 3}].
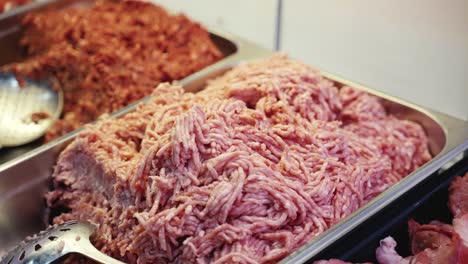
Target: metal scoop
[
  {"x": 56, "y": 242},
  {"x": 26, "y": 112}
]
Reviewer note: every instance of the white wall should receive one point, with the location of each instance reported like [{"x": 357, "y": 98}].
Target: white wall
[
  {"x": 416, "y": 50},
  {"x": 254, "y": 20},
  {"x": 413, "y": 49}
]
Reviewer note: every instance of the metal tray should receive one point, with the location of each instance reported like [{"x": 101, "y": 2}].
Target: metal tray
[
  {"x": 233, "y": 48},
  {"x": 24, "y": 180}
]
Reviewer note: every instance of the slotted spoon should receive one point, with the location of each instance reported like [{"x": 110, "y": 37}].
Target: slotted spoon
[
  {"x": 26, "y": 112},
  {"x": 56, "y": 242}
]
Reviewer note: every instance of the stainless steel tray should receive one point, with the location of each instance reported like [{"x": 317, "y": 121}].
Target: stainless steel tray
[
  {"x": 24, "y": 180},
  {"x": 233, "y": 48}
]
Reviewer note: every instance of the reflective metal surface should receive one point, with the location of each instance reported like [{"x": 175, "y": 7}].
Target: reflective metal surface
[
  {"x": 55, "y": 242},
  {"x": 26, "y": 112}
]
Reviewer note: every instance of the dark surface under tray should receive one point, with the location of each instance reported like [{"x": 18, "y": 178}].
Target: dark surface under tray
[{"x": 426, "y": 202}]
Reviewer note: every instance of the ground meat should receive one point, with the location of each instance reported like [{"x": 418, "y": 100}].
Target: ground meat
[
  {"x": 39, "y": 116},
  {"x": 460, "y": 225},
  {"x": 246, "y": 171},
  {"x": 109, "y": 55},
  {"x": 431, "y": 243},
  {"x": 386, "y": 253},
  {"x": 458, "y": 199},
  {"x": 432, "y": 235},
  {"x": 360, "y": 106}
]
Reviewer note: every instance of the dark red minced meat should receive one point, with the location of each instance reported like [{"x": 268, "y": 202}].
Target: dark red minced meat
[{"x": 111, "y": 54}]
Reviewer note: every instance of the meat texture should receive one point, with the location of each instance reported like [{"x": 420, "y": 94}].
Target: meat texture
[
  {"x": 108, "y": 55},
  {"x": 331, "y": 261},
  {"x": 458, "y": 203},
  {"x": 246, "y": 171},
  {"x": 431, "y": 243},
  {"x": 460, "y": 225},
  {"x": 435, "y": 241},
  {"x": 458, "y": 199},
  {"x": 386, "y": 253}
]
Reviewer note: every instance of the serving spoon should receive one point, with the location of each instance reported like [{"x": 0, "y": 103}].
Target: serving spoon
[
  {"x": 56, "y": 242},
  {"x": 26, "y": 111}
]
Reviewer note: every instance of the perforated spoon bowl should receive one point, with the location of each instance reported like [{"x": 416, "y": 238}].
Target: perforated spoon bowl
[
  {"x": 26, "y": 112},
  {"x": 56, "y": 242}
]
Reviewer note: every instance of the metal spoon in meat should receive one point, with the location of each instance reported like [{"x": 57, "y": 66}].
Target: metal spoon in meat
[
  {"x": 56, "y": 242},
  {"x": 26, "y": 111}
]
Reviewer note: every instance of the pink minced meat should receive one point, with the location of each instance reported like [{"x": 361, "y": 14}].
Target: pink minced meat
[
  {"x": 458, "y": 199},
  {"x": 386, "y": 253},
  {"x": 246, "y": 171}
]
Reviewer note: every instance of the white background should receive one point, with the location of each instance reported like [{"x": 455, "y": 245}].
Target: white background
[
  {"x": 413, "y": 49},
  {"x": 254, "y": 20}
]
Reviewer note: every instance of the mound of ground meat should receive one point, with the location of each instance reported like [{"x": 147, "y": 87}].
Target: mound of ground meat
[
  {"x": 245, "y": 171},
  {"x": 109, "y": 55}
]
